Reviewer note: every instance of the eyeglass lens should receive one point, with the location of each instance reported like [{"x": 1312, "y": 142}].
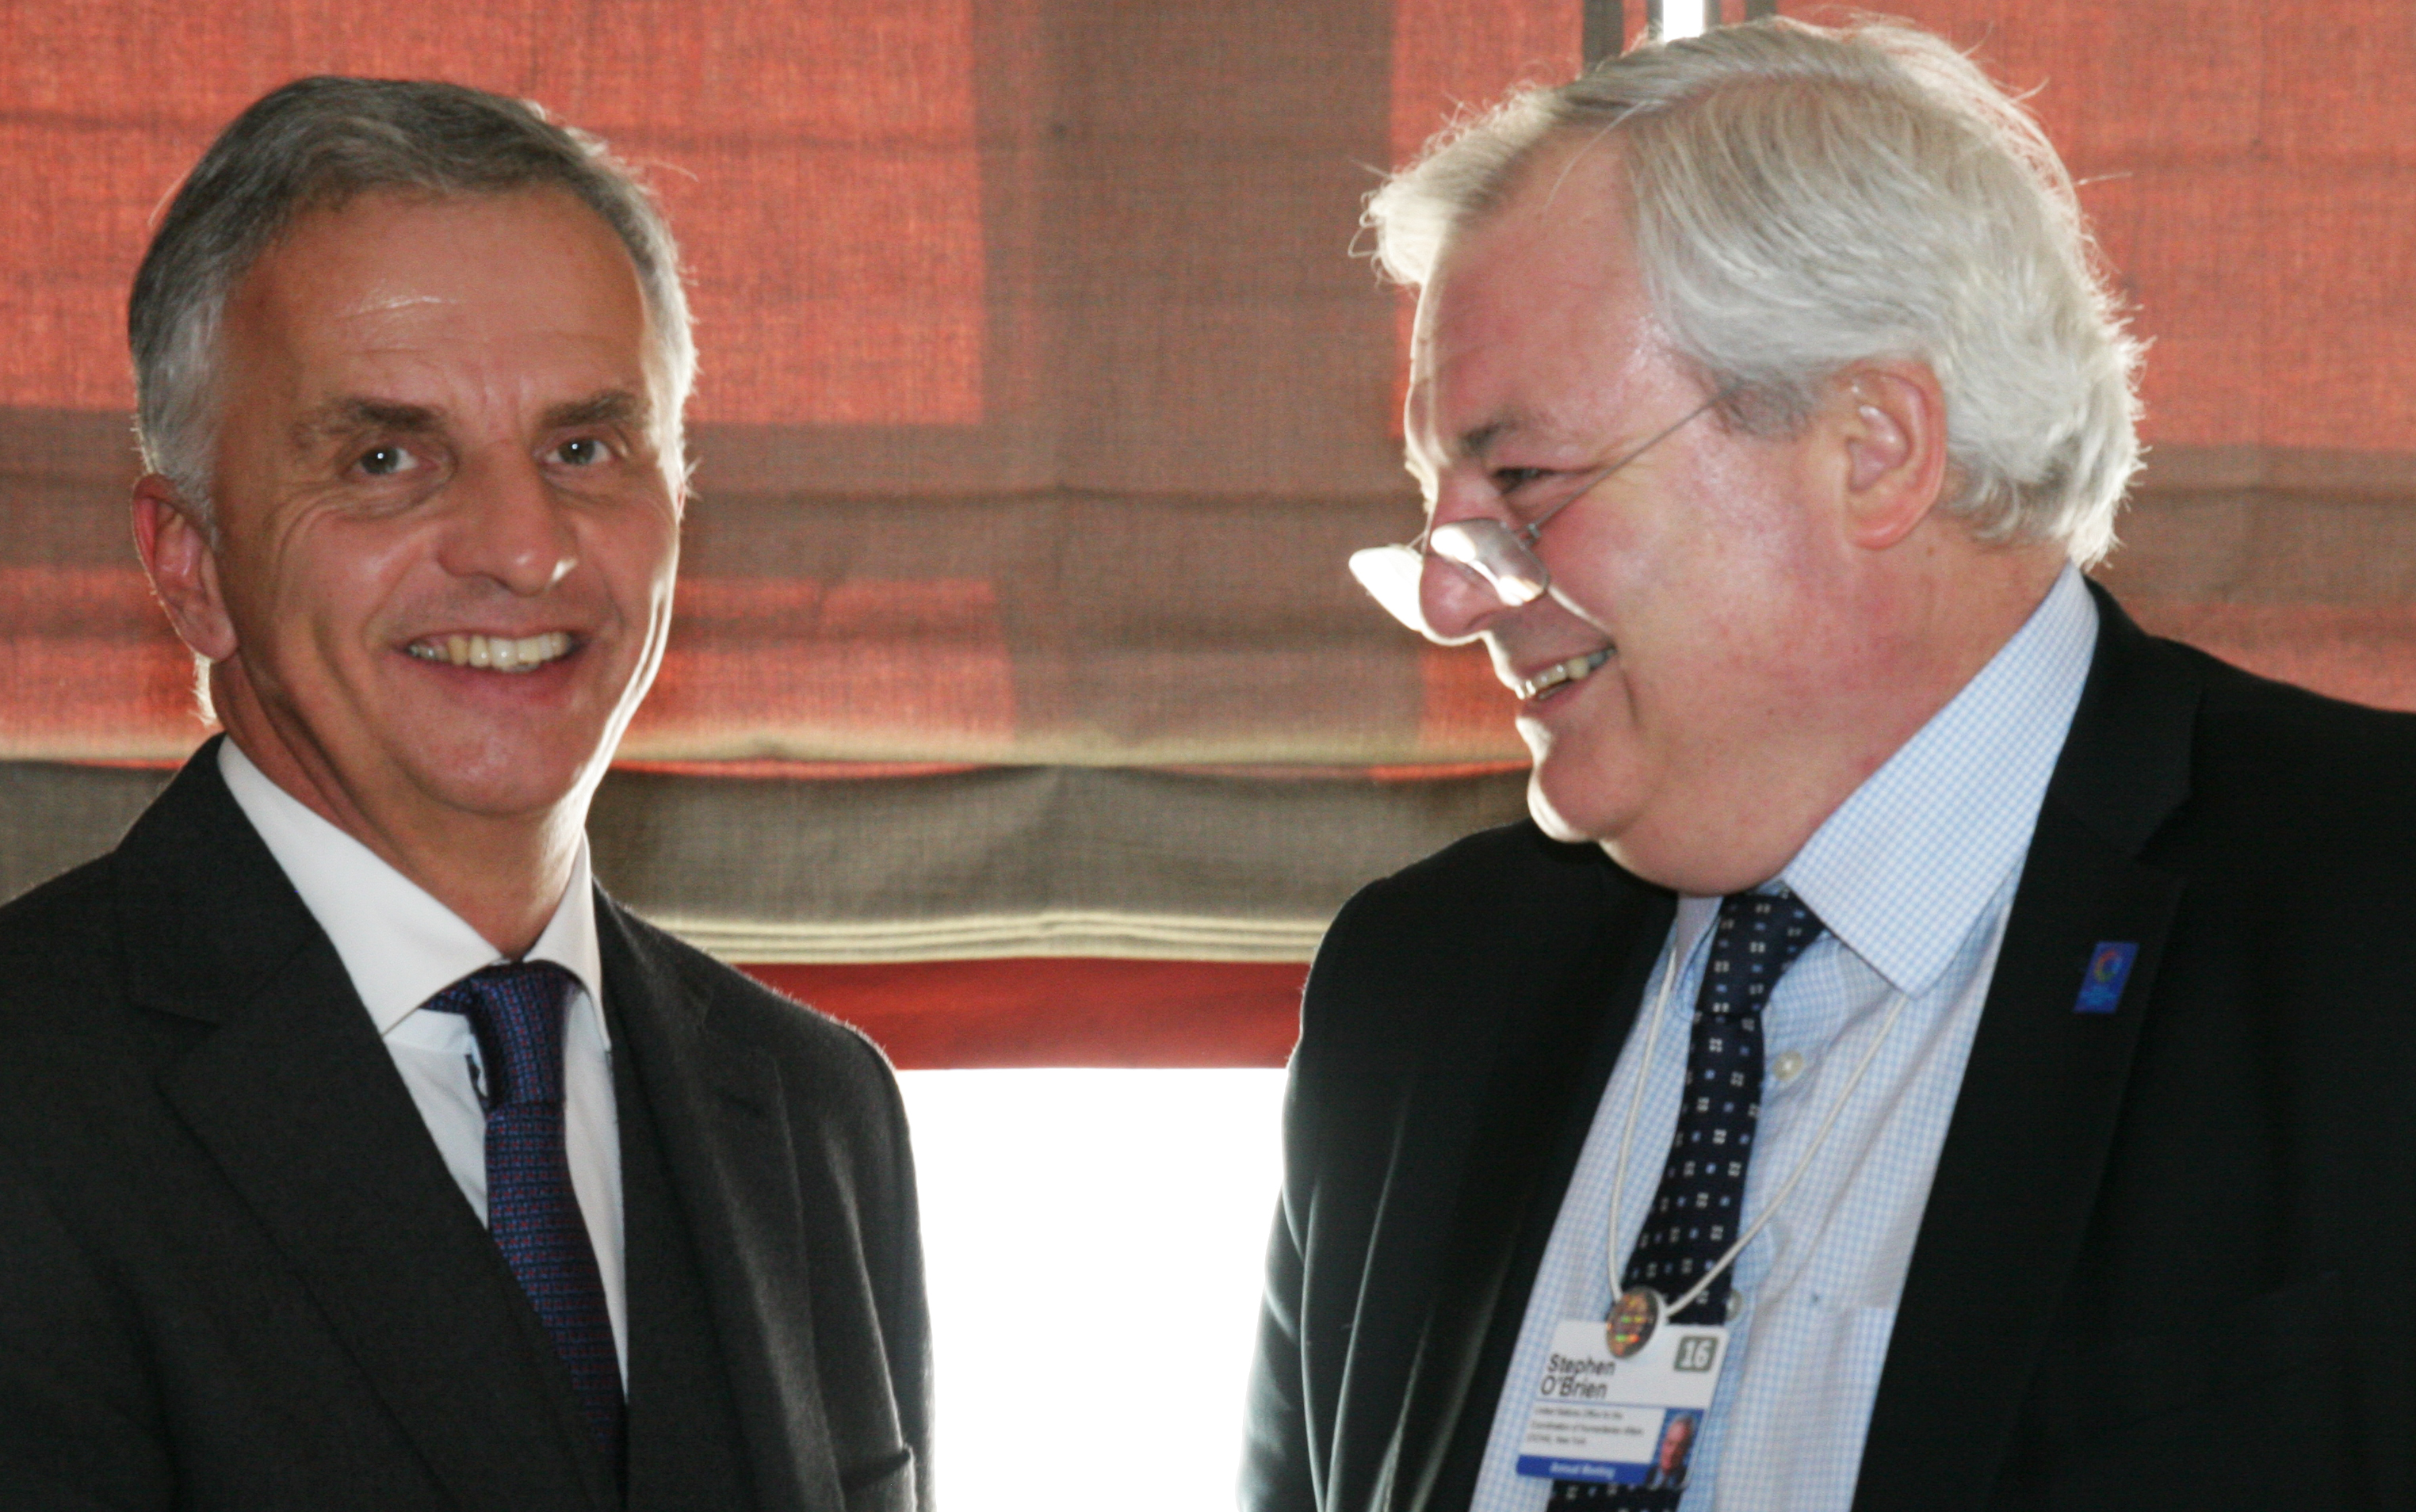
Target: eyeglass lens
[{"x": 1494, "y": 552}]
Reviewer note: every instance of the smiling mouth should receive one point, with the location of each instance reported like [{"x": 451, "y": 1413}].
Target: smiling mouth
[
  {"x": 494, "y": 653},
  {"x": 1576, "y": 669}
]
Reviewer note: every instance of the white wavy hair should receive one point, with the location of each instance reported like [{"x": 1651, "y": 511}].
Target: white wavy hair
[{"x": 1806, "y": 199}]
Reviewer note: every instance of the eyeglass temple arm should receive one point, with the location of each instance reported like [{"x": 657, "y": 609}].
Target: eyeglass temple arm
[{"x": 1534, "y": 527}]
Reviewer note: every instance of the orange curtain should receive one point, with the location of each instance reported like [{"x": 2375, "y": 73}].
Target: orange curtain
[{"x": 1042, "y": 400}]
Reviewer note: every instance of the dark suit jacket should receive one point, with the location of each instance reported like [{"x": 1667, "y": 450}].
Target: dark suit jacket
[
  {"x": 2169, "y": 1256},
  {"x": 235, "y": 1274}
]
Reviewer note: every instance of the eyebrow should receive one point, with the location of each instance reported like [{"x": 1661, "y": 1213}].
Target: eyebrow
[
  {"x": 610, "y": 406},
  {"x": 1477, "y": 441},
  {"x": 1481, "y": 439},
  {"x": 1472, "y": 442},
  {"x": 352, "y": 414}
]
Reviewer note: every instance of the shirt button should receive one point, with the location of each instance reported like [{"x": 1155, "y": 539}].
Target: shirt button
[{"x": 1786, "y": 1065}]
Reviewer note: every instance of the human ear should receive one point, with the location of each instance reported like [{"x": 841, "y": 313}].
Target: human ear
[
  {"x": 183, "y": 565},
  {"x": 1889, "y": 422}
]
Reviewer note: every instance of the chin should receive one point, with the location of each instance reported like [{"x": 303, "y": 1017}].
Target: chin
[
  {"x": 504, "y": 785},
  {"x": 1579, "y": 789},
  {"x": 1547, "y": 818},
  {"x": 1567, "y": 822}
]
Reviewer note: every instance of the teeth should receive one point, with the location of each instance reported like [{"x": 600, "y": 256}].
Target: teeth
[
  {"x": 1544, "y": 681},
  {"x": 1576, "y": 669},
  {"x": 499, "y": 653}
]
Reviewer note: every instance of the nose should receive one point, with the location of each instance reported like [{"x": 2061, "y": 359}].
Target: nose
[
  {"x": 510, "y": 527},
  {"x": 1457, "y": 604}
]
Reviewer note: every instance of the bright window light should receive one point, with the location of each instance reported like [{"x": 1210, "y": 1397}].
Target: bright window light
[
  {"x": 1095, "y": 1241},
  {"x": 1681, "y": 18}
]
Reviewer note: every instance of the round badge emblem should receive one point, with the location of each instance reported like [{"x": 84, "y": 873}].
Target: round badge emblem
[{"x": 1632, "y": 1321}]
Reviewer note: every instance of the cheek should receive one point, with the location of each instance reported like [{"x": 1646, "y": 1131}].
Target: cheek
[
  {"x": 277, "y": 597},
  {"x": 636, "y": 558},
  {"x": 349, "y": 577},
  {"x": 643, "y": 562},
  {"x": 1752, "y": 586},
  {"x": 330, "y": 590}
]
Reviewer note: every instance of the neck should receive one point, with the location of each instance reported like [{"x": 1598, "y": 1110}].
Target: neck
[
  {"x": 504, "y": 876},
  {"x": 1909, "y": 651}
]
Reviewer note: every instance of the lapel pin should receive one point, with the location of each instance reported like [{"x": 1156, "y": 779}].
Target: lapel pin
[{"x": 2109, "y": 970}]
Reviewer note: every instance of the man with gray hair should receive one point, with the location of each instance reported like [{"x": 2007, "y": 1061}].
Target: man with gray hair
[
  {"x": 355, "y": 1151},
  {"x": 1934, "y": 1045}
]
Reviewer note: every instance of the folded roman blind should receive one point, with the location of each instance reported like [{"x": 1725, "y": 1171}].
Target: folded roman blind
[{"x": 1042, "y": 398}]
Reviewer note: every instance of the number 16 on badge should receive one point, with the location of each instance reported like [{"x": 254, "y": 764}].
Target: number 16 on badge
[{"x": 1621, "y": 1416}]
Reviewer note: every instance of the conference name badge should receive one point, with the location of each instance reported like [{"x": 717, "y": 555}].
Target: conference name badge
[{"x": 1620, "y": 1405}]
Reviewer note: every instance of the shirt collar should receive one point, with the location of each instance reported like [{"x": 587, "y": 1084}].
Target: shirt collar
[
  {"x": 1907, "y": 864},
  {"x": 400, "y": 945}
]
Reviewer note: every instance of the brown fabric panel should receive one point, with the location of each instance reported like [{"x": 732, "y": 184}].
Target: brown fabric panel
[
  {"x": 1067, "y": 628},
  {"x": 2315, "y": 587},
  {"x": 1005, "y": 861},
  {"x": 1215, "y": 335},
  {"x": 1031, "y": 860},
  {"x": 88, "y": 669},
  {"x": 52, "y": 817},
  {"x": 2336, "y": 550}
]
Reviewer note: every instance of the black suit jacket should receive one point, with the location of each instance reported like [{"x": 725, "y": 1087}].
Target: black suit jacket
[
  {"x": 235, "y": 1274},
  {"x": 2169, "y": 1256}
]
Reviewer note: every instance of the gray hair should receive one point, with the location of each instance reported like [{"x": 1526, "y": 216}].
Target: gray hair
[
  {"x": 315, "y": 144},
  {"x": 1806, "y": 199}
]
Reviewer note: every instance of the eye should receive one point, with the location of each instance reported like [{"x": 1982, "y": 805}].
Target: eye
[
  {"x": 385, "y": 461},
  {"x": 1509, "y": 480},
  {"x": 583, "y": 451}
]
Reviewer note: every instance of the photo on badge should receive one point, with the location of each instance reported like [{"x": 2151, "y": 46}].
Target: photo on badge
[{"x": 1676, "y": 1450}]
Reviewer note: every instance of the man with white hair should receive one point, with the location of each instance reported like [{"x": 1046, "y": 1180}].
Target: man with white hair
[
  {"x": 355, "y": 1150},
  {"x": 1934, "y": 1045}
]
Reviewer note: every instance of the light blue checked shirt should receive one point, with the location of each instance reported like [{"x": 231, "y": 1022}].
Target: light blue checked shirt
[{"x": 1914, "y": 876}]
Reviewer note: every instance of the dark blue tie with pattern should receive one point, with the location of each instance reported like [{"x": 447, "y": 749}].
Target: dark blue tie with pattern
[
  {"x": 1702, "y": 1196},
  {"x": 516, "y": 1011}
]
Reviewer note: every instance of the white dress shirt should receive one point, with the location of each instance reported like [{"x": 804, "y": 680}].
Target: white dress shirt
[
  {"x": 1914, "y": 876},
  {"x": 402, "y": 946}
]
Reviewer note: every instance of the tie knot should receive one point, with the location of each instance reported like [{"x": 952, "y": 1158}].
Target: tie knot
[
  {"x": 1763, "y": 933},
  {"x": 516, "y": 1011}
]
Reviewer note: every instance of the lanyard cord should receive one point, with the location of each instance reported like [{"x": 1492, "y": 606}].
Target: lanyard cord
[{"x": 1635, "y": 1105}]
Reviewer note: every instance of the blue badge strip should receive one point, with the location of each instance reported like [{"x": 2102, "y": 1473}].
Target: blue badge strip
[
  {"x": 2109, "y": 970},
  {"x": 1600, "y": 1472}
]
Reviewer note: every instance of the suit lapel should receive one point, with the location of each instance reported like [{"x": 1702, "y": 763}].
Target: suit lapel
[
  {"x": 686, "y": 1450},
  {"x": 722, "y": 1115},
  {"x": 2023, "y": 1158},
  {"x": 297, "y": 1102},
  {"x": 1508, "y": 1154}
]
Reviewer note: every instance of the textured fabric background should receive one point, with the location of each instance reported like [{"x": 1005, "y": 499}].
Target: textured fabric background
[{"x": 1042, "y": 398}]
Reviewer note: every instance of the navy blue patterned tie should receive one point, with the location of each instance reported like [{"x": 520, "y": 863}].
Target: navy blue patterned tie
[
  {"x": 1696, "y": 1210},
  {"x": 516, "y": 1011}
]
